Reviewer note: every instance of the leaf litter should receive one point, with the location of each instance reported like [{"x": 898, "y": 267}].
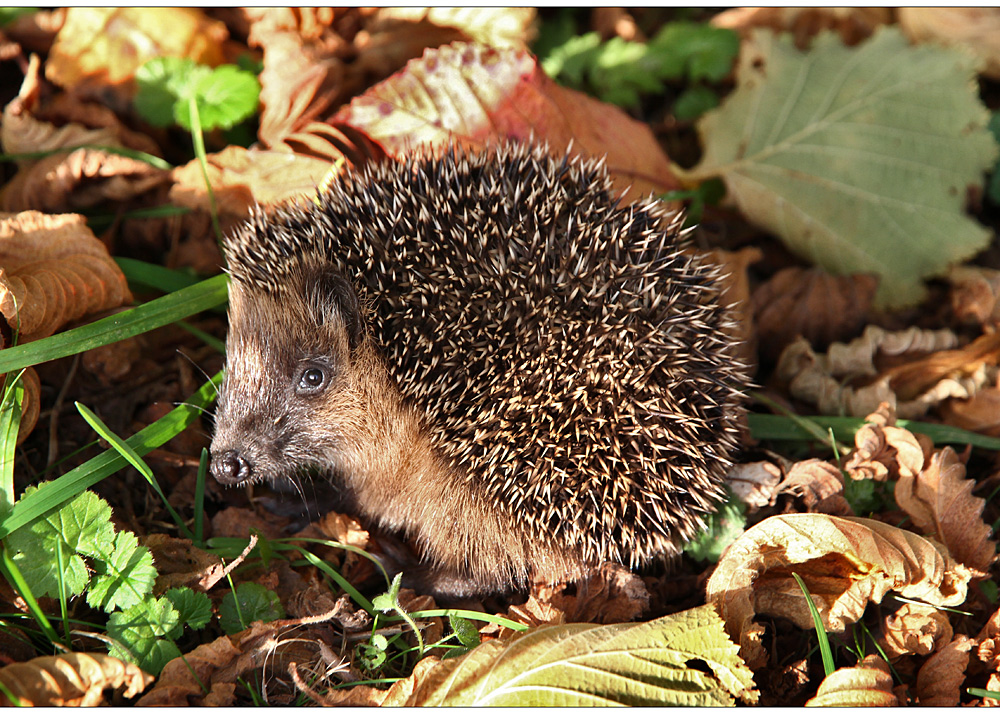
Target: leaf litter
[{"x": 340, "y": 88}]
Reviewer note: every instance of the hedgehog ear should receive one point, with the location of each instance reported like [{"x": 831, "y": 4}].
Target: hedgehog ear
[{"x": 338, "y": 301}]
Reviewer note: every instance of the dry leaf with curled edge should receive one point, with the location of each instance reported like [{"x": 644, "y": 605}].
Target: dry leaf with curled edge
[
  {"x": 914, "y": 629},
  {"x": 853, "y": 24},
  {"x": 754, "y": 483},
  {"x": 980, "y": 413},
  {"x": 54, "y": 271},
  {"x": 491, "y": 26},
  {"x": 884, "y": 452},
  {"x": 819, "y": 484},
  {"x": 810, "y": 303},
  {"x": 645, "y": 663},
  {"x": 941, "y": 678},
  {"x": 893, "y": 367},
  {"x": 69, "y": 680},
  {"x": 971, "y": 28},
  {"x": 868, "y": 684},
  {"x": 474, "y": 96},
  {"x": 860, "y": 159},
  {"x": 101, "y": 46},
  {"x": 939, "y": 500},
  {"x": 975, "y": 294},
  {"x": 845, "y": 562},
  {"x": 242, "y": 178}
]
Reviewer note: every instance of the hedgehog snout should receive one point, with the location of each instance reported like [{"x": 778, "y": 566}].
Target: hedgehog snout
[{"x": 230, "y": 468}]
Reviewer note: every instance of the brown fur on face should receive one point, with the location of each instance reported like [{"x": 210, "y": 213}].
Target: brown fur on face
[{"x": 359, "y": 430}]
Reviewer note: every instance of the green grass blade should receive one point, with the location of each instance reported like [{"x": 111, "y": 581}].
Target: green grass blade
[
  {"x": 128, "y": 453},
  {"x": 154, "y": 161},
  {"x": 13, "y": 576},
  {"x": 156, "y": 276},
  {"x": 10, "y": 422},
  {"x": 156, "y": 313},
  {"x": 985, "y": 693},
  {"x": 778, "y": 428},
  {"x": 53, "y": 494},
  {"x": 824, "y": 642},
  {"x": 470, "y": 615}
]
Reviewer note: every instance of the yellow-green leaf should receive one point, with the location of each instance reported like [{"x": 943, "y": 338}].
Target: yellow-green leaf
[
  {"x": 860, "y": 158},
  {"x": 682, "y": 659}
]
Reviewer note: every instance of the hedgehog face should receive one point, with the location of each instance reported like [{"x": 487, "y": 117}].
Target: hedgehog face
[{"x": 289, "y": 393}]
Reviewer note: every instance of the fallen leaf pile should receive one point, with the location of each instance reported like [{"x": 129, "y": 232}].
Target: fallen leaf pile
[{"x": 839, "y": 171}]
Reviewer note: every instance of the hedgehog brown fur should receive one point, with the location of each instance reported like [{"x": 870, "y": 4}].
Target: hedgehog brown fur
[{"x": 491, "y": 353}]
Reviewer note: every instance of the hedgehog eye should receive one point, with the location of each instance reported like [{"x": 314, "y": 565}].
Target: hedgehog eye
[{"x": 311, "y": 380}]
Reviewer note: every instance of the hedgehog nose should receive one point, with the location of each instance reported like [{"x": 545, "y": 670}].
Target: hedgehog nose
[{"x": 230, "y": 468}]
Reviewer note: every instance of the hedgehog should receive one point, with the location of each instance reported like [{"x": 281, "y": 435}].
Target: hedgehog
[{"x": 491, "y": 353}]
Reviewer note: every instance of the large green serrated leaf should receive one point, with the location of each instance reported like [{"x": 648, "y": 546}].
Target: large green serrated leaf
[
  {"x": 859, "y": 159},
  {"x": 638, "y": 664}
]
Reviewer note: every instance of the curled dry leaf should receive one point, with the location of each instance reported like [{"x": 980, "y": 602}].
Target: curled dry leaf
[
  {"x": 972, "y": 28},
  {"x": 939, "y": 500},
  {"x": 179, "y": 563},
  {"x": 498, "y": 27},
  {"x": 54, "y": 271},
  {"x": 915, "y": 629},
  {"x": 869, "y": 684},
  {"x": 853, "y": 24},
  {"x": 811, "y": 303},
  {"x": 975, "y": 294},
  {"x": 852, "y": 379},
  {"x": 981, "y": 413},
  {"x": 940, "y": 679},
  {"x": 610, "y": 594},
  {"x": 820, "y": 485},
  {"x": 884, "y": 452},
  {"x": 755, "y": 483},
  {"x": 845, "y": 562},
  {"x": 214, "y": 665},
  {"x": 242, "y": 178},
  {"x": 473, "y": 96},
  {"x": 69, "y": 680},
  {"x": 101, "y": 46}
]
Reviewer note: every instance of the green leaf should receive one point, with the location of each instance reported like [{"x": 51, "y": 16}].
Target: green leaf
[
  {"x": 82, "y": 526},
  {"x": 632, "y": 664},
  {"x": 860, "y": 158},
  {"x": 695, "y": 101},
  {"x": 225, "y": 97},
  {"x": 123, "y": 578},
  {"x": 141, "y": 631},
  {"x": 161, "y": 84},
  {"x": 722, "y": 528},
  {"x": 695, "y": 51},
  {"x": 193, "y": 608},
  {"x": 10, "y": 423},
  {"x": 255, "y": 603}
]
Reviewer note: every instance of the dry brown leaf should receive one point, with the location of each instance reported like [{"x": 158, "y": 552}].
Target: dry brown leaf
[
  {"x": 981, "y": 413},
  {"x": 820, "y": 485},
  {"x": 179, "y": 563},
  {"x": 104, "y": 46},
  {"x": 853, "y": 24},
  {"x": 610, "y": 594},
  {"x": 851, "y": 379},
  {"x": 975, "y": 29},
  {"x": 54, "y": 271},
  {"x": 940, "y": 679},
  {"x": 181, "y": 681},
  {"x": 473, "y": 96},
  {"x": 498, "y": 27},
  {"x": 975, "y": 294},
  {"x": 754, "y": 483},
  {"x": 242, "y": 178},
  {"x": 914, "y": 629},
  {"x": 69, "y": 680},
  {"x": 736, "y": 292},
  {"x": 35, "y": 31},
  {"x": 884, "y": 452},
  {"x": 869, "y": 684},
  {"x": 845, "y": 562},
  {"x": 939, "y": 500},
  {"x": 810, "y": 303}
]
